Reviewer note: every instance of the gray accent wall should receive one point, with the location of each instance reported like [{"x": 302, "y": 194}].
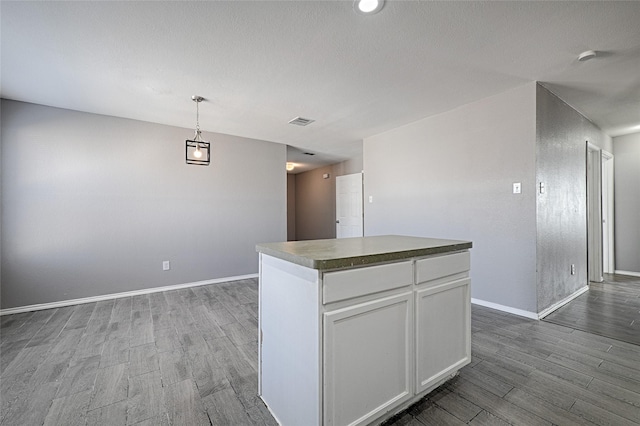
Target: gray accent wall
[
  {"x": 626, "y": 151},
  {"x": 451, "y": 176},
  {"x": 92, "y": 205},
  {"x": 561, "y": 144}
]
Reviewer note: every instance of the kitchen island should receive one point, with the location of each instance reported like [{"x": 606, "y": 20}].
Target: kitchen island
[{"x": 355, "y": 330}]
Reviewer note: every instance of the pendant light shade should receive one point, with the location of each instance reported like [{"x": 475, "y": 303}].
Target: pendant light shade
[{"x": 197, "y": 151}]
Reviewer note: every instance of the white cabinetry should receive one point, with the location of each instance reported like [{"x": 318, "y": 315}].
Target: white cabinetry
[
  {"x": 367, "y": 359},
  {"x": 357, "y": 345},
  {"x": 443, "y": 318},
  {"x": 442, "y": 332}
]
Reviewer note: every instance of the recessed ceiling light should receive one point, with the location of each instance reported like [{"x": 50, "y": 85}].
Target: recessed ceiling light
[
  {"x": 368, "y": 7},
  {"x": 586, "y": 55}
]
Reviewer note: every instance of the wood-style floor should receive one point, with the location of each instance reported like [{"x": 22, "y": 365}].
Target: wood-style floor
[
  {"x": 610, "y": 308},
  {"x": 188, "y": 357},
  {"x": 184, "y": 357}
]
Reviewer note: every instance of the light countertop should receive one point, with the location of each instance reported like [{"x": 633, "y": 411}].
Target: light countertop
[{"x": 348, "y": 252}]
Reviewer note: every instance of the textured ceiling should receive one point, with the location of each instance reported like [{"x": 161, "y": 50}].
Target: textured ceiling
[{"x": 260, "y": 64}]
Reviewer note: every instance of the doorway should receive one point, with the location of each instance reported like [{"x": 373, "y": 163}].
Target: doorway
[
  {"x": 349, "y": 220},
  {"x": 600, "y": 255}
]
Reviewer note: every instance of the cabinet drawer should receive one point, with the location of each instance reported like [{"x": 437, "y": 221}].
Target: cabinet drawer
[
  {"x": 341, "y": 285},
  {"x": 436, "y": 267}
]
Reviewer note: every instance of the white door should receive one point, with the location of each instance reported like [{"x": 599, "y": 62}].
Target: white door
[
  {"x": 349, "y": 221},
  {"x": 367, "y": 359}
]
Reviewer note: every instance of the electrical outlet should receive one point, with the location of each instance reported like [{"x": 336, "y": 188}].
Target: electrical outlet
[
  {"x": 573, "y": 269},
  {"x": 166, "y": 265}
]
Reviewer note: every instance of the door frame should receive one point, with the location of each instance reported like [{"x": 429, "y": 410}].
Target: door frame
[
  {"x": 608, "y": 246},
  {"x": 594, "y": 212}
]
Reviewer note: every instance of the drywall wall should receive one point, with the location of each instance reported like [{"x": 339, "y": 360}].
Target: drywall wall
[
  {"x": 562, "y": 135},
  {"x": 626, "y": 151},
  {"x": 315, "y": 199},
  {"x": 316, "y": 204},
  {"x": 93, "y": 204},
  {"x": 291, "y": 207},
  {"x": 451, "y": 176},
  {"x": 1, "y": 204},
  {"x": 348, "y": 167}
]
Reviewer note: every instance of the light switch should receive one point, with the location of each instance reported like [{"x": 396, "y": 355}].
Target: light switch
[
  {"x": 370, "y": 199},
  {"x": 166, "y": 265},
  {"x": 517, "y": 188}
]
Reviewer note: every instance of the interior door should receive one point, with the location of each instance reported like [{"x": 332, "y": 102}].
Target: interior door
[{"x": 349, "y": 220}]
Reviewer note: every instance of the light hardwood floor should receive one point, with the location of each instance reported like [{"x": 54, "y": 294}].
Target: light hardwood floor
[{"x": 189, "y": 357}]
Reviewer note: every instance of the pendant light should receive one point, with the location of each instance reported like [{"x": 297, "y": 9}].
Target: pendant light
[{"x": 197, "y": 150}]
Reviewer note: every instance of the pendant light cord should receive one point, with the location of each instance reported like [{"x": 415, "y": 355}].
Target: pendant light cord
[{"x": 198, "y": 138}]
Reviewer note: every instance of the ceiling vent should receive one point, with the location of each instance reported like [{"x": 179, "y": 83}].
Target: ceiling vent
[{"x": 299, "y": 121}]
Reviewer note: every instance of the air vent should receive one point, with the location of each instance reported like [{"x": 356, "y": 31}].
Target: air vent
[
  {"x": 299, "y": 121},
  {"x": 308, "y": 153}
]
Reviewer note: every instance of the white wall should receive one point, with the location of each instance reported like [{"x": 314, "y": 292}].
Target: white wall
[
  {"x": 626, "y": 151},
  {"x": 451, "y": 176},
  {"x": 348, "y": 167},
  {"x": 92, "y": 205}
]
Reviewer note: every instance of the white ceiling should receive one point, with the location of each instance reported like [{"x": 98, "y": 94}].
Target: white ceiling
[{"x": 260, "y": 64}]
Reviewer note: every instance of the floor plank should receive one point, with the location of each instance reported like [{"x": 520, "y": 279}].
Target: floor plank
[
  {"x": 109, "y": 415},
  {"x": 69, "y": 410},
  {"x": 184, "y": 405},
  {"x": 80, "y": 376},
  {"x": 145, "y": 398},
  {"x": 174, "y": 366},
  {"x": 224, "y": 408},
  {"x": 143, "y": 359},
  {"x": 111, "y": 386}
]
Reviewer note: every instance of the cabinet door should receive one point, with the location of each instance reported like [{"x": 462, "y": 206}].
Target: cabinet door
[
  {"x": 443, "y": 331},
  {"x": 368, "y": 363}
]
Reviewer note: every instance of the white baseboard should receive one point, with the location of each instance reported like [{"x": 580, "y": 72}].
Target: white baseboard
[
  {"x": 91, "y": 299},
  {"x": 503, "y": 308},
  {"x": 563, "y": 302},
  {"x": 633, "y": 274},
  {"x": 529, "y": 314}
]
